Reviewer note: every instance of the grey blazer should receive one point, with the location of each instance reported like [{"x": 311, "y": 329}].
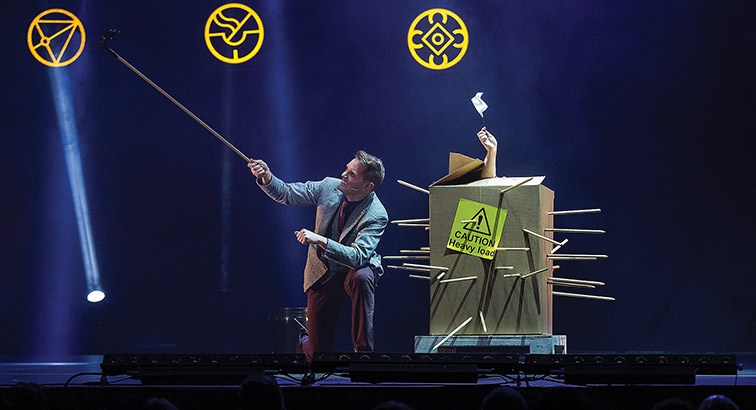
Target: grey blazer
[{"x": 362, "y": 230}]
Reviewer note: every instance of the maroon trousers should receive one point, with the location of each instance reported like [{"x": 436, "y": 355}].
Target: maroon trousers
[{"x": 324, "y": 306}]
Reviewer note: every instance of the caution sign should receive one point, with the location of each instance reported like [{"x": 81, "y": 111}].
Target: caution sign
[{"x": 476, "y": 229}]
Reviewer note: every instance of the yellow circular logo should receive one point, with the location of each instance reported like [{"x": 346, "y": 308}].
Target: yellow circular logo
[
  {"x": 56, "y": 37},
  {"x": 437, "y": 39},
  {"x": 234, "y": 33}
]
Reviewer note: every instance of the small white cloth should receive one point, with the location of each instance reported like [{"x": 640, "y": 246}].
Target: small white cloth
[{"x": 479, "y": 104}]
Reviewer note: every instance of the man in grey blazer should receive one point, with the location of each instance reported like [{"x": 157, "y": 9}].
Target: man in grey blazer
[{"x": 341, "y": 259}]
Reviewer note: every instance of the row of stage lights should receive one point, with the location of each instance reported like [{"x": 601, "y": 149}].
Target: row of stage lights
[{"x": 422, "y": 367}]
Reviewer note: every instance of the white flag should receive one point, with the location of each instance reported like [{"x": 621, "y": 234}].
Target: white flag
[{"x": 479, "y": 104}]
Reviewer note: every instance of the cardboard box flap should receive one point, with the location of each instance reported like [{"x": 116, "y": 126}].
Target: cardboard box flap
[
  {"x": 508, "y": 181},
  {"x": 462, "y": 169}
]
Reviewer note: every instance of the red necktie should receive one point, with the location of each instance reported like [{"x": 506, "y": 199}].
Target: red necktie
[{"x": 342, "y": 215}]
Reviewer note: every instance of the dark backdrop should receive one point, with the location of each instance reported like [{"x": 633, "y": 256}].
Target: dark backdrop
[{"x": 642, "y": 108}]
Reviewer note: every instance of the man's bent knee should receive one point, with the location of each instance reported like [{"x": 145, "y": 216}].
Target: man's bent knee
[{"x": 362, "y": 279}]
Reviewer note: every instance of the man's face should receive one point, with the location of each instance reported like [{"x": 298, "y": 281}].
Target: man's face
[{"x": 354, "y": 183}]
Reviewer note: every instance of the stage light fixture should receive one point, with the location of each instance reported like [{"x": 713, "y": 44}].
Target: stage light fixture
[
  {"x": 414, "y": 367},
  {"x": 630, "y": 368},
  {"x": 200, "y": 369}
]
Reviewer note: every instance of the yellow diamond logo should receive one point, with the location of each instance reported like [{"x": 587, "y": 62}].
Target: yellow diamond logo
[{"x": 437, "y": 39}]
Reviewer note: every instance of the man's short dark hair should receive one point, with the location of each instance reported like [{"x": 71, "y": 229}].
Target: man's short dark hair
[{"x": 373, "y": 168}]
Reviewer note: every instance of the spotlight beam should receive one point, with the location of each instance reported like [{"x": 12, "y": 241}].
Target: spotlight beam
[{"x": 70, "y": 141}]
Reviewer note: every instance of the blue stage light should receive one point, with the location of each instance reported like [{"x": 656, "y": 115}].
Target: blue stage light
[
  {"x": 286, "y": 155},
  {"x": 64, "y": 107},
  {"x": 229, "y": 164}
]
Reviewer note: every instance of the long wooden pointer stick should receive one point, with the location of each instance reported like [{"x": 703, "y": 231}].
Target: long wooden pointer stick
[{"x": 104, "y": 44}]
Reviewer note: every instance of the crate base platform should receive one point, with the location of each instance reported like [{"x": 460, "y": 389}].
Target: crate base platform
[{"x": 507, "y": 344}]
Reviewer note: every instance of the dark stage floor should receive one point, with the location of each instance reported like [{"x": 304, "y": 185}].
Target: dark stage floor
[{"x": 76, "y": 383}]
